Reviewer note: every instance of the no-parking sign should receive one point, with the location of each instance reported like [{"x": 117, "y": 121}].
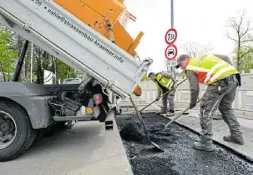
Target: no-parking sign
[{"x": 171, "y": 52}]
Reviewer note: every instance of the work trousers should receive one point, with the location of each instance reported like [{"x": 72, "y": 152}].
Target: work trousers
[
  {"x": 168, "y": 97},
  {"x": 217, "y": 115},
  {"x": 219, "y": 95}
]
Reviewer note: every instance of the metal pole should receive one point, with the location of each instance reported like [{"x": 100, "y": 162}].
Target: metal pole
[
  {"x": 172, "y": 68},
  {"x": 20, "y": 61},
  {"x": 172, "y": 13},
  {"x": 31, "y": 62},
  {"x": 55, "y": 64}
]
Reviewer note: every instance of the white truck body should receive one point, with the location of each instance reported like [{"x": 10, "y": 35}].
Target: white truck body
[{"x": 61, "y": 34}]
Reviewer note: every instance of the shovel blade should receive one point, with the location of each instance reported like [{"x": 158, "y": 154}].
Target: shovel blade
[{"x": 157, "y": 146}]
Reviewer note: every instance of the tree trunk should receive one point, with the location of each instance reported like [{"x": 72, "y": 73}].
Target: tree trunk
[
  {"x": 8, "y": 76},
  {"x": 2, "y": 70},
  {"x": 27, "y": 66},
  {"x": 40, "y": 72},
  {"x": 40, "y": 77},
  {"x": 238, "y": 54}
]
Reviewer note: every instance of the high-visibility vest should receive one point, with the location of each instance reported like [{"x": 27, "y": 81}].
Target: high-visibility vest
[
  {"x": 210, "y": 68},
  {"x": 163, "y": 83}
]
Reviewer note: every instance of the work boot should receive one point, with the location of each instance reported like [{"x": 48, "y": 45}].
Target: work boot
[
  {"x": 234, "y": 139},
  {"x": 163, "y": 112},
  {"x": 170, "y": 113},
  {"x": 203, "y": 146}
]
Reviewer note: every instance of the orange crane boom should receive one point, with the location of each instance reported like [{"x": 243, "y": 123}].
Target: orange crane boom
[{"x": 105, "y": 16}]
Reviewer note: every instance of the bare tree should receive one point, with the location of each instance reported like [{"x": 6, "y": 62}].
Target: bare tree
[
  {"x": 241, "y": 35},
  {"x": 193, "y": 49}
]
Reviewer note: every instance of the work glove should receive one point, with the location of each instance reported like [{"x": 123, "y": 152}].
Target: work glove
[
  {"x": 172, "y": 93},
  {"x": 192, "y": 105}
]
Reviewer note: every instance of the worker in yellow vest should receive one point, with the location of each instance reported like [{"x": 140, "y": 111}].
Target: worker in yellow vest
[
  {"x": 222, "y": 80},
  {"x": 217, "y": 115},
  {"x": 164, "y": 83}
]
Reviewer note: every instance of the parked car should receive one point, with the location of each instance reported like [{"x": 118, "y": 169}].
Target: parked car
[{"x": 72, "y": 81}]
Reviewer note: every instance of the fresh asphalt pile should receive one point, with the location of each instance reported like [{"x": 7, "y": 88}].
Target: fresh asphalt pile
[{"x": 179, "y": 158}]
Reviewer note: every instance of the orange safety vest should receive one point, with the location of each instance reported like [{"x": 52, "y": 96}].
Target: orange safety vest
[{"x": 210, "y": 68}]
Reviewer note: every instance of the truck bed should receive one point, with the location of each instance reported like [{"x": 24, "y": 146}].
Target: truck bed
[{"x": 61, "y": 34}]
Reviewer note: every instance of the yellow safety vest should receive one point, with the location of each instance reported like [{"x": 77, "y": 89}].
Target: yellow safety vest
[
  {"x": 210, "y": 68},
  {"x": 166, "y": 83}
]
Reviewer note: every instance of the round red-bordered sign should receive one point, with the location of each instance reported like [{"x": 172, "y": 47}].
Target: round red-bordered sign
[
  {"x": 171, "y": 36},
  {"x": 171, "y": 52}
]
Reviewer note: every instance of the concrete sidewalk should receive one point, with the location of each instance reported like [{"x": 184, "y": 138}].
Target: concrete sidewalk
[{"x": 220, "y": 129}]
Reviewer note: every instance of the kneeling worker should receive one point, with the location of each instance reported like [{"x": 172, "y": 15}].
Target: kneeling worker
[
  {"x": 164, "y": 83},
  {"x": 222, "y": 80}
]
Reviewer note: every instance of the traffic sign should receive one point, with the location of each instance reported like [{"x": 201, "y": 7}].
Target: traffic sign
[
  {"x": 171, "y": 36},
  {"x": 171, "y": 52},
  {"x": 171, "y": 63}
]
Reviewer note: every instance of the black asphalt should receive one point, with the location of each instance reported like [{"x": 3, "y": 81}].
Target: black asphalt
[{"x": 179, "y": 157}]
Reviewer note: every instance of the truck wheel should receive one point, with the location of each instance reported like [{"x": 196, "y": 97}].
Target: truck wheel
[{"x": 16, "y": 132}]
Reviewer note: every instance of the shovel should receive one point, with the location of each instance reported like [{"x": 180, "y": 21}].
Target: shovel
[
  {"x": 144, "y": 127},
  {"x": 179, "y": 115},
  {"x": 163, "y": 95}
]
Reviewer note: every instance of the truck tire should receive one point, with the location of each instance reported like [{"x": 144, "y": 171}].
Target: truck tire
[
  {"x": 16, "y": 132},
  {"x": 39, "y": 134}
]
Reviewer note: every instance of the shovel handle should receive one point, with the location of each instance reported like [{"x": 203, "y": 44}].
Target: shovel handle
[
  {"x": 175, "y": 118},
  {"x": 179, "y": 115},
  {"x": 163, "y": 95},
  {"x": 140, "y": 118},
  {"x": 149, "y": 104}
]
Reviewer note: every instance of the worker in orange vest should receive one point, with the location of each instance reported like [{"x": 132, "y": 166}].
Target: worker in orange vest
[{"x": 222, "y": 80}]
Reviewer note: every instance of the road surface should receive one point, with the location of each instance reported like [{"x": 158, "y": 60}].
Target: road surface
[
  {"x": 179, "y": 157},
  {"x": 86, "y": 149}
]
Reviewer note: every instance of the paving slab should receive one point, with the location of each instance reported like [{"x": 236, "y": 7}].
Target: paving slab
[
  {"x": 220, "y": 129},
  {"x": 86, "y": 149}
]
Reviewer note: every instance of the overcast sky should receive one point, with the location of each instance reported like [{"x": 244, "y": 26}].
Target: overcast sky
[{"x": 202, "y": 21}]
